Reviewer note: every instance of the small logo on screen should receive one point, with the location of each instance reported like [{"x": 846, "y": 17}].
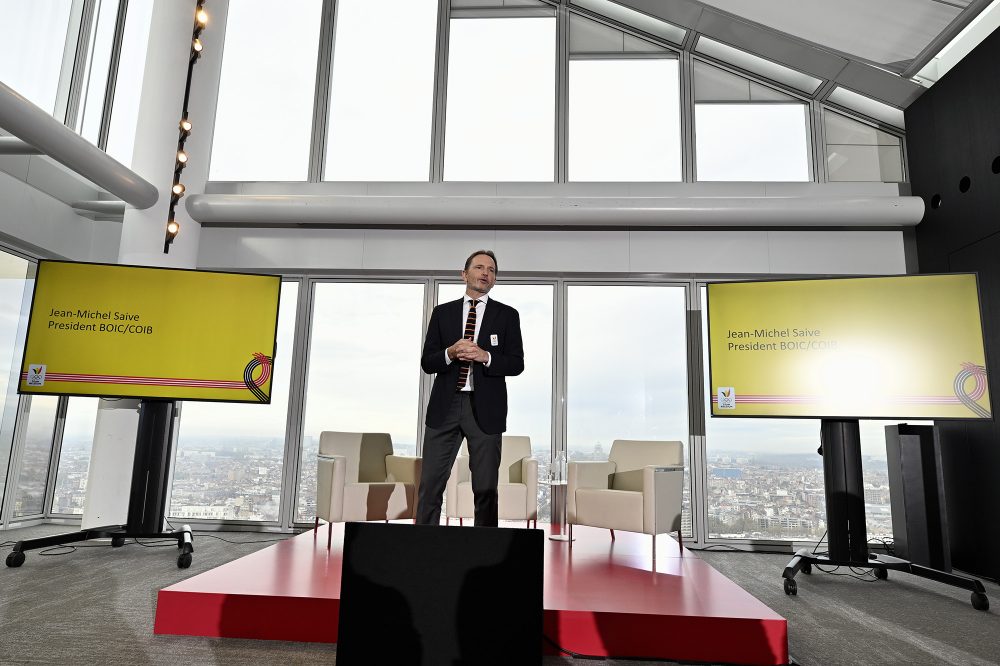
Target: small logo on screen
[
  {"x": 36, "y": 375},
  {"x": 727, "y": 397}
]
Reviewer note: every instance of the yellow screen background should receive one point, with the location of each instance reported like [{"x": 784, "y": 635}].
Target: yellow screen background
[
  {"x": 202, "y": 326},
  {"x": 885, "y": 347}
]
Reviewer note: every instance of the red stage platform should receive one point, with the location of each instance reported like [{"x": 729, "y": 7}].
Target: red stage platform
[{"x": 601, "y": 597}]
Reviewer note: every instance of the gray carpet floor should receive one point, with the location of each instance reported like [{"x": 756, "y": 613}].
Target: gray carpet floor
[{"x": 96, "y": 605}]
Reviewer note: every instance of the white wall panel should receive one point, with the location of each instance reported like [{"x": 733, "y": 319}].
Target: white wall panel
[
  {"x": 837, "y": 252},
  {"x": 34, "y": 220},
  {"x": 423, "y": 250},
  {"x": 563, "y": 251},
  {"x": 699, "y": 252},
  {"x": 277, "y": 249},
  {"x": 572, "y": 251}
]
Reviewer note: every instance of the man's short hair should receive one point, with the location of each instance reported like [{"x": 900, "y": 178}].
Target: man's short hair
[{"x": 488, "y": 253}]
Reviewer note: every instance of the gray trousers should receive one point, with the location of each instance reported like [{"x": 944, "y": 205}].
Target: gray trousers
[{"x": 441, "y": 446}]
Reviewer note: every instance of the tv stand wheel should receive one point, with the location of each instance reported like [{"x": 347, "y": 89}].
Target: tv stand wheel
[
  {"x": 881, "y": 574},
  {"x": 16, "y": 559},
  {"x": 807, "y": 568},
  {"x": 117, "y": 542},
  {"x": 791, "y": 587},
  {"x": 184, "y": 560},
  {"x": 979, "y": 601}
]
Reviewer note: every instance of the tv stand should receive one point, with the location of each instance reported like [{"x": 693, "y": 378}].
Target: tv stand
[
  {"x": 845, "y": 518},
  {"x": 147, "y": 497}
]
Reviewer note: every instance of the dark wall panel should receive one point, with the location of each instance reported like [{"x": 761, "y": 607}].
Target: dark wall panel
[{"x": 953, "y": 132}]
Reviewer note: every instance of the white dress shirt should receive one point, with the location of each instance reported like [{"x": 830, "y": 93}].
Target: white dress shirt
[{"x": 480, "y": 309}]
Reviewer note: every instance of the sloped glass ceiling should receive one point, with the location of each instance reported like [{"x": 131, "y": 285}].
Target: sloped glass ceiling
[{"x": 890, "y": 33}]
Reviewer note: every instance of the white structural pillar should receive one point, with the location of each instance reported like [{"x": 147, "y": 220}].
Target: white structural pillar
[{"x": 143, "y": 231}]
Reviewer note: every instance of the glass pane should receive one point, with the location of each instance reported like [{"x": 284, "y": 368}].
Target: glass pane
[
  {"x": 229, "y": 456},
  {"x": 263, "y": 121},
  {"x": 29, "y": 491},
  {"x": 859, "y": 152},
  {"x": 501, "y": 100},
  {"x": 529, "y": 397},
  {"x": 74, "y": 457},
  {"x": 31, "y": 48},
  {"x": 364, "y": 370},
  {"x": 752, "y": 142},
  {"x": 15, "y": 299},
  {"x": 98, "y": 65},
  {"x": 624, "y": 120},
  {"x": 626, "y": 381},
  {"x": 128, "y": 83},
  {"x": 765, "y": 477},
  {"x": 381, "y": 103}
]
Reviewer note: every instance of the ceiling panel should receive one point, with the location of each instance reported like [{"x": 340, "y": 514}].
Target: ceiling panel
[{"x": 888, "y": 32}]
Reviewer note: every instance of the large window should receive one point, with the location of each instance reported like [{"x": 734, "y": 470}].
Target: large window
[
  {"x": 745, "y": 131},
  {"x": 263, "y": 121},
  {"x": 382, "y": 92},
  {"x": 95, "y": 83},
  {"x": 31, "y": 50},
  {"x": 229, "y": 456},
  {"x": 15, "y": 295},
  {"x": 626, "y": 363},
  {"x": 74, "y": 456},
  {"x": 624, "y": 120},
  {"x": 529, "y": 399},
  {"x": 29, "y": 489},
  {"x": 128, "y": 82},
  {"x": 364, "y": 370},
  {"x": 501, "y": 100}
]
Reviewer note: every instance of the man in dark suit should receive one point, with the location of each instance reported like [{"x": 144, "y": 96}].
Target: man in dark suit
[{"x": 472, "y": 345}]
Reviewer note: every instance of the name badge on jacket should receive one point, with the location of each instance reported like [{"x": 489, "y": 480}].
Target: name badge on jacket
[{"x": 494, "y": 340}]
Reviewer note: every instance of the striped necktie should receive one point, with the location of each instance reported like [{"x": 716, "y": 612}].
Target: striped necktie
[{"x": 470, "y": 334}]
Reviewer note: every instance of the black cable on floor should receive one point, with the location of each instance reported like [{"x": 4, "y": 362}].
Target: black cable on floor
[{"x": 212, "y": 536}]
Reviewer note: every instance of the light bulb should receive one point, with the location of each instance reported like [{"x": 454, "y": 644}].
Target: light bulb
[
  {"x": 178, "y": 189},
  {"x": 173, "y": 228},
  {"x": 185, "y": 125},
  {"x": 202, "y": 17},
  {"x": 182, "y": 157},
  {"x": 196, "y": 45}
]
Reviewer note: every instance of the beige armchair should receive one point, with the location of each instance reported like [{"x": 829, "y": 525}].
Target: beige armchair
[
  {"x": 358, "y": 478},
  {"x": 639, "y": 489},
  {"x": 517, "y": 489}
]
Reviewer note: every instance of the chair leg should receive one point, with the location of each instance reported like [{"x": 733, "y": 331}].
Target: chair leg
[
  {"x": 461, "y": 523},
  {"x": 316, "y": 525},
  {"x": 527, "y": 525},
  {"x": 570, "y": 535},
  {"x": 680, "y": 542},
  {"x": 612, "y": 534},
  {"x": 654, "y": 548},
  {"x": 447, "y": 521},
  {"x": 329, "y": 535}
]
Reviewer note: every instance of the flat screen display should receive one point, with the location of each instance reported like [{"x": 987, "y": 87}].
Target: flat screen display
[
  {"x": 135, "y": 331},
  {"x": 901, "y": 347}
]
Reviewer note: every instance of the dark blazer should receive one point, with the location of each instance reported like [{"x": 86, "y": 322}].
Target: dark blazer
[{"x": 489, "y": 397}]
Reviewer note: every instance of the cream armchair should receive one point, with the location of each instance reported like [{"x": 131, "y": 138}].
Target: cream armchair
[
  {"x": 517, "y": 488},
  {"x": 639, "y": 489},
  {"x": 358, "y": 478}
]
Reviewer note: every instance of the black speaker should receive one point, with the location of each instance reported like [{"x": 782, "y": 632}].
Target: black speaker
[
  {"x": 424, "y": 594},
  {"x": 916, "y": 493}
]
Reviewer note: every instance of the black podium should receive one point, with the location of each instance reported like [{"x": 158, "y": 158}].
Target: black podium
[
  {"x": 147, "y": 497},
  {"x": 845, "y": 518}
]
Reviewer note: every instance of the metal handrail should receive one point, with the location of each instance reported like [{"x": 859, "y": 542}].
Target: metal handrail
[{"x": 39, "y": 129}]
